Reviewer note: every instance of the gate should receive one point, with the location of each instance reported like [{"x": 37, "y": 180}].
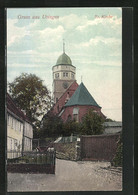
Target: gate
[{"x": 99, "y": 147}]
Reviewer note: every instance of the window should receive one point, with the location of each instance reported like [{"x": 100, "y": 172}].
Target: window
[
  {"x": 76, "y": 114},
  {"x": 75, "y": 110},
  {"x": 72, "y": 76},
  {"x": 57, "y": 75},
  {"x": 69, "y": 117},
  {"x": 75, "y": 117},
  {"x": 11, "y": 145},
  {"x": 65, "y": 74},
  {"x": 12, "y": 122},
  {"x": 20, "y": 126},
  {"x": 19, "y": 147},
  {"x": 15, "y": 144}
]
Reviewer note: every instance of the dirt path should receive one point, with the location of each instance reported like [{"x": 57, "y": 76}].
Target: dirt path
[{"x": 70, "y": 176}]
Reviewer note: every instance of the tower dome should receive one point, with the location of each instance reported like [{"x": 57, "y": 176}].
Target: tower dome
[{"x": 64, "y": 59}]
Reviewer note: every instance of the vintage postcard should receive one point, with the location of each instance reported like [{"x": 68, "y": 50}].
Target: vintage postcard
[{"x": 64, "y": 99}]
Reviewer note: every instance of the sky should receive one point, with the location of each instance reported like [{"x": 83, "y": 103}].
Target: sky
[{"x": 93, "y": 41}]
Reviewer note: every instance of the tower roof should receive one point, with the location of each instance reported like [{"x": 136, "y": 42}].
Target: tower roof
[
  {"x": 64, "y": 59},
  {"x": 81, "y": 97}
]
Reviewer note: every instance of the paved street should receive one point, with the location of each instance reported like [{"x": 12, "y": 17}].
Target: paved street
[{"x": 70, "y": 176}]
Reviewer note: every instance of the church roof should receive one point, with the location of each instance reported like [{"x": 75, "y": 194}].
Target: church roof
[
  {"x": 64, "y": 59},
  {"x": 81, "y": 97}
]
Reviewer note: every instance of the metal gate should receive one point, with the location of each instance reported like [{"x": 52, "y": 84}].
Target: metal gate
[{"x": 99, "y": 147}]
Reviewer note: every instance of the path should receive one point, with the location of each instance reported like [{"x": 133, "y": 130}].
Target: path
[{"x": 70, "y": 176}]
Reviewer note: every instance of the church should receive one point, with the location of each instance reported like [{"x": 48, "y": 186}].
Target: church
[{"x": 71, "y": 101}]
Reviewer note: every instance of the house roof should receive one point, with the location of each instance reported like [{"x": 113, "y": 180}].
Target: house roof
[
  {"x": 113, "y": 124},
  {"x": 81, "y": 97},
  {"x": 11, "y": 106},
  {"x": 64, "y": 59}
]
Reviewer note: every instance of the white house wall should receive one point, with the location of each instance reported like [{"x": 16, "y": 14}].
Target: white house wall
[
  {"x": 14, "y": 136},
  {"x": 28, "y": 136}
]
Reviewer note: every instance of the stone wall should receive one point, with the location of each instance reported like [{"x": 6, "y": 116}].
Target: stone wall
[
  {"x": 31, "y": 168},
  {"x": 66, "y": 151}
]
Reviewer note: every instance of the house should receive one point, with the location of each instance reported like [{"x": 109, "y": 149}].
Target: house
[
  {"x": 27, "y": 135},
  {"x": 112, "y": 127},
  {"x": 19, "y": 130}
]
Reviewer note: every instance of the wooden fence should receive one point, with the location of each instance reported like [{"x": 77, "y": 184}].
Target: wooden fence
[
  {"x": 32, "y": 162},
  {"x": 99, "y": 147}
]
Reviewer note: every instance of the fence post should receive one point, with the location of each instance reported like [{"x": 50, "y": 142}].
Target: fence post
[{"x": 71, "y": 138}]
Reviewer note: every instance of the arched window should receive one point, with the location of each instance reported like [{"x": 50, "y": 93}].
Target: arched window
[
  {"x": 69, "y": 117},
  {"x": 76, "y": 114}
]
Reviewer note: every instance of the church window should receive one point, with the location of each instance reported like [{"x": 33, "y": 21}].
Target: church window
[
  {"x": 65, "y": 74},
  {"x": 72, "y": 75},
  {"x": 76, "y": 114},
  {"x": 69, "y": 117},
  {"x": 57, "y": 75},
  {"x": 56, "y": 99}
]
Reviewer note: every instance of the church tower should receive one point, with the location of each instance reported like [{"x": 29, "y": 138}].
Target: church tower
[{"x": 63, "y": 75}]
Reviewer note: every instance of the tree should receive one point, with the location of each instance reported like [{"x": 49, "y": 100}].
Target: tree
[
  {"x": 31, "y": 96},
  {"x": 52, "y": 126},
  {"x": 71, "y": 127},
  {"x": 108, "y": 120},
  {"x": 92, "y": 123}
]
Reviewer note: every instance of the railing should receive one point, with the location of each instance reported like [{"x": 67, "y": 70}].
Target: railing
[
  {"x": 32, "y": 157},
  {"x": 68, "y": 139},
  {"x": 13, "y": 154}
]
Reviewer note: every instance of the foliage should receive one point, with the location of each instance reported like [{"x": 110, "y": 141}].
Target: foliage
[
  {"x": 118, "y": 158},
  {"x": 92, "y": 123},
  {"x": 108, "y": 120},
  {"x": 66, "y": 151},
  {"x": 71, "y": 127},
  {"x": 52, "y": 126},
  {"x": 31, "y": 96}
]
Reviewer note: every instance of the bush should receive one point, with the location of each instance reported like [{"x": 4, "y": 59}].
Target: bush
[{"x": 118, "y": 158}]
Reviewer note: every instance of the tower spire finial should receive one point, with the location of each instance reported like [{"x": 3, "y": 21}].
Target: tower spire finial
[{"x": 63, "y": 46}]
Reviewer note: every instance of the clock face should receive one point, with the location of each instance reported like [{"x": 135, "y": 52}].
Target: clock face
[{"x": 65, "y": 85}]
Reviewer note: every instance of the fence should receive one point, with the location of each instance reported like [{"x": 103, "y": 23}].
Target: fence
[
  {"x": 32, "y": 161},
  {"x": 13, "y": 154},
  {"x": 68, "y": 139},
  {"x": 45, "y": 142},
  {"x": 99, "y": 147}
]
